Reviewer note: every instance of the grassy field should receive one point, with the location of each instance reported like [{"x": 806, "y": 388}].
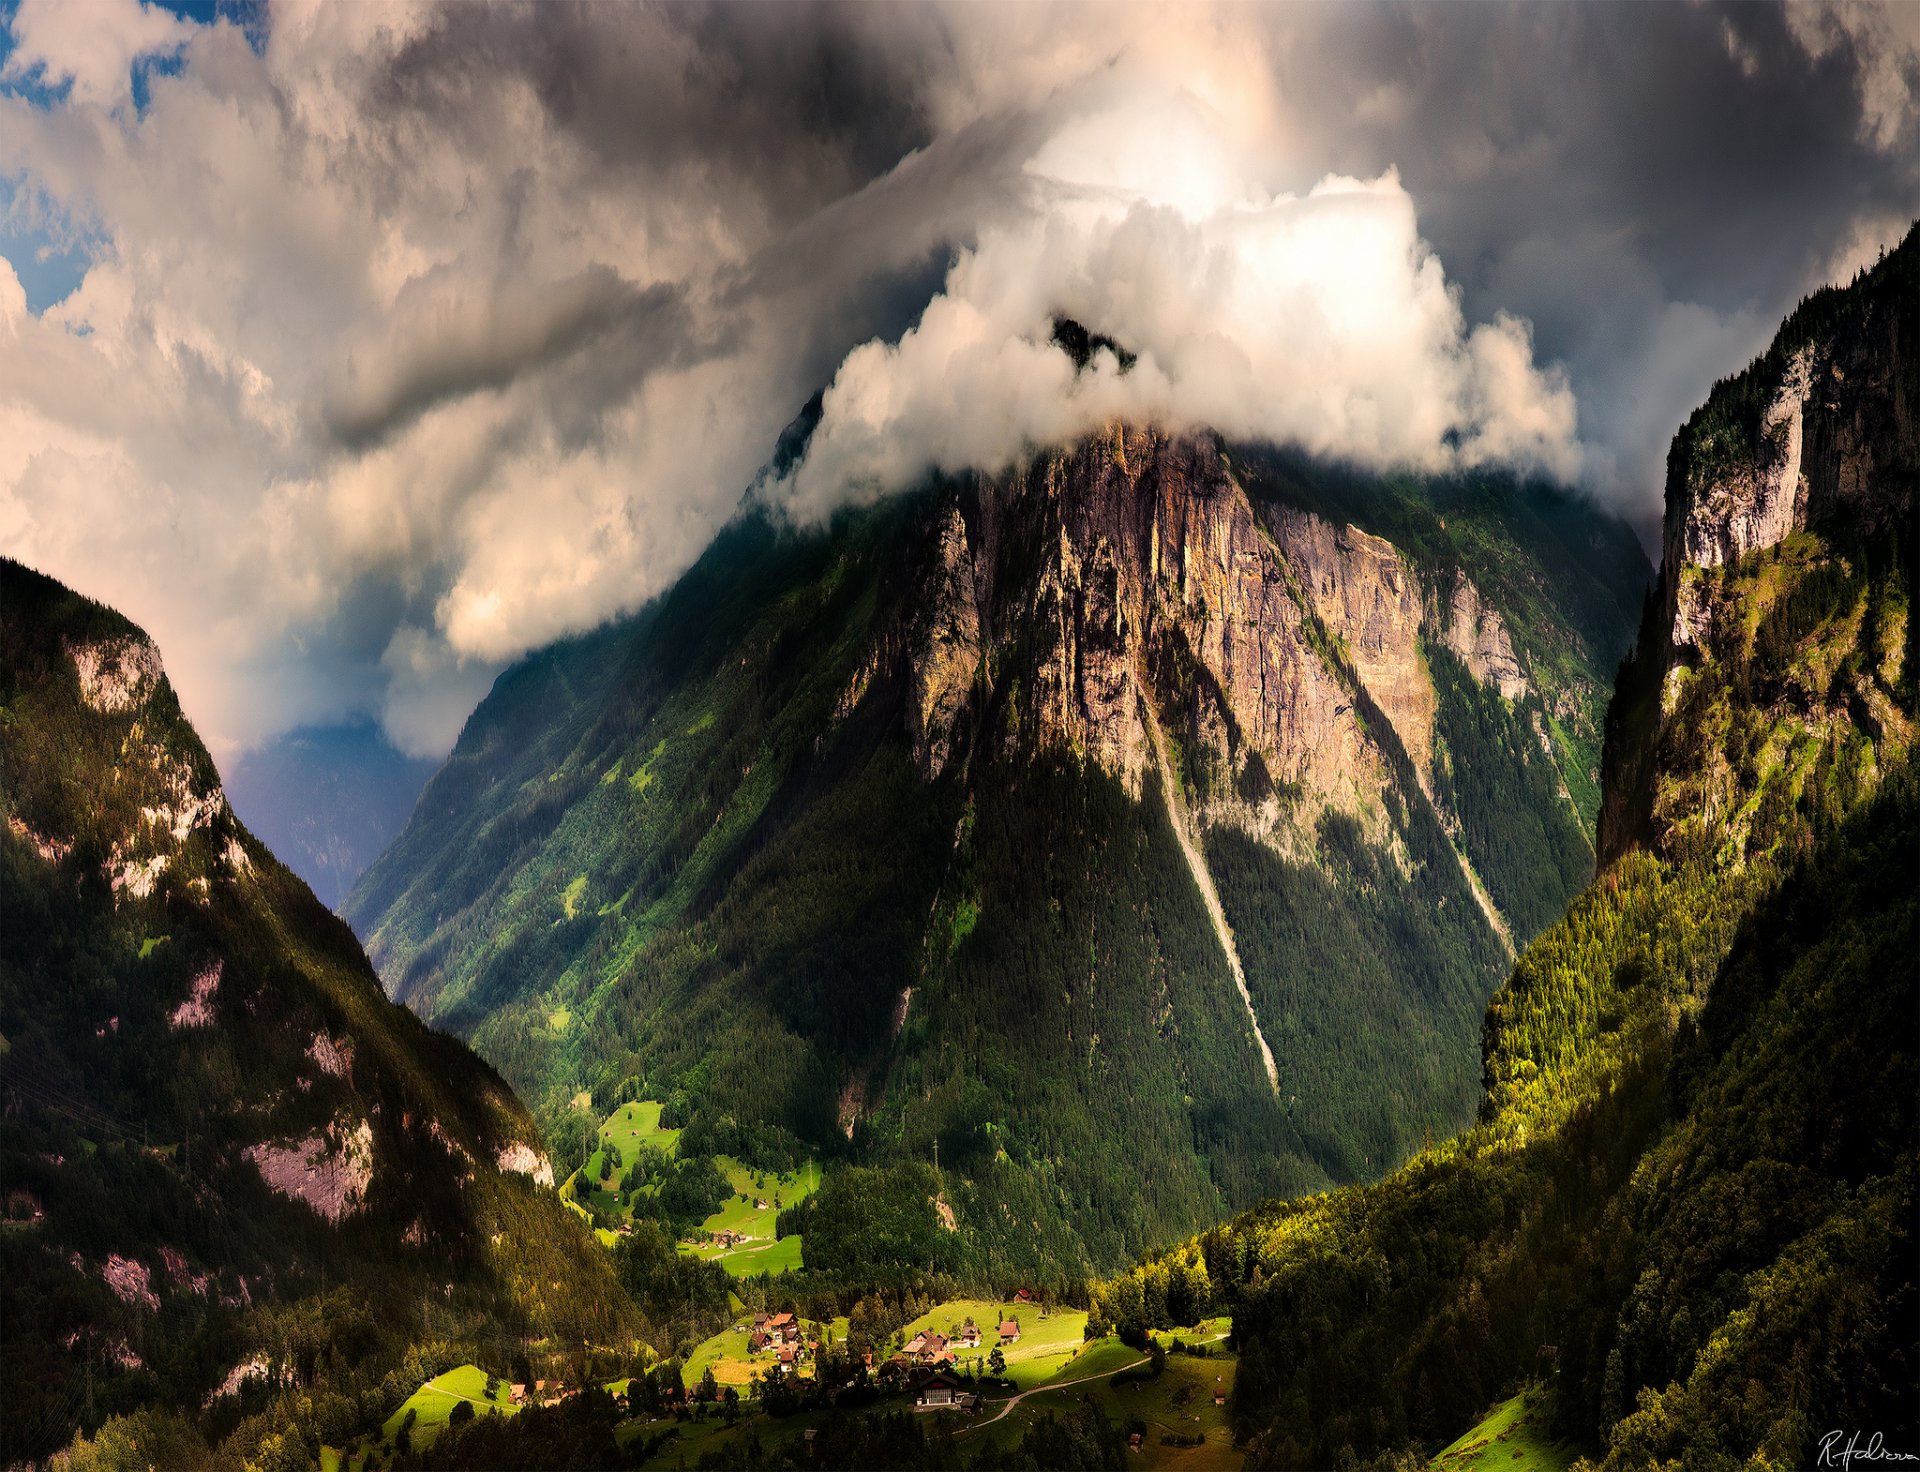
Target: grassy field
[
  {"x": 1513, "y": 1437},
  {"x": 1046, "y": 1344},
  {"x": 634, "y": 1126},
  {"x": 761, "y": 1253},
  {"x": 1177, "y": 1405},
  {"x": 726, "y": 1353},
  {"x": 433, "y": 1402}
]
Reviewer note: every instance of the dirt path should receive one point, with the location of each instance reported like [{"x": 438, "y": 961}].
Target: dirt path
[
  {"x": 1203, "y": 880},
  {"x": 1015, "y": 1399}
]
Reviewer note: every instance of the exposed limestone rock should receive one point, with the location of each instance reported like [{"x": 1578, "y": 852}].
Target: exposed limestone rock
[
  {"x": 330, "y": 1171},
  {"x": 333, "y": 1056},
  {"x": 254, "y": 1367},
  {"x": 130, "y": 1281},
  {"x": 946, "y": 652},
  {"x": 1730, "y": 512},
  {"x": 197, "y": 1010},
  {"x": 116, "y": 675},
  {"x": 1474, "y": 631},
  {"x": 52, "y": 850},
  {"x": 1365, "y": 595},
  {"x": 135, "y": 877},
  {"x": 185, "y": 809},
  {"x": 524, "y": 1160},
  {"x": 1147, "y": 560}
]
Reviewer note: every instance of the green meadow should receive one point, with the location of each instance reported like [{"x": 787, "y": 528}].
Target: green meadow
[{"x": 1513, "y": 1437}]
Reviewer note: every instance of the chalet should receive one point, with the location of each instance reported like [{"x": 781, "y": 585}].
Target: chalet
[
  {"x": 1009, "y": 1331},
  {"x": 940, "y": 1393},
  {"x": 1135, "y": 1441},
  {"x": 758, "y": 1204},
  {"x": 1219, "y": 1397},
  {"x": 934, "y": 1349},
  {"x": 1023, "y": 1298},
  {"x": 969, "y": 1337},
  {"x": 728, "y": 1238},
  {"x": 517, "y": 1393},
  {"x": 788, "y": 1354},
  {"x": 913, "y": 1346},
  {"x": 758, "y": 1341},
  {"x": 760, "y": 1319}
]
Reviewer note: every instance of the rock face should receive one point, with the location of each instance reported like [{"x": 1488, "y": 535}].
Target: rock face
[
  {"x": 1135, "y": 566},
  {"x": 1153, "y": 567},
  {"x": 1361, "y": 589},
  {"x": 1478, "y": 635},
  {"x": 1819, "y": 440},
  {"x": 948, "y": 650},
  {"x": 1730, "y": 510}
]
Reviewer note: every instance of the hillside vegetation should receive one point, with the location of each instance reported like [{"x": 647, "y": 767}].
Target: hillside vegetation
[
  {"x": 1687, "y": 1214},
  {"x": 249, "y": 1203},
  {"x": 801, "y": 851}
]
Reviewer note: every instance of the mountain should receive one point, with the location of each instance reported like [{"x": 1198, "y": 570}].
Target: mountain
[
  {"x": 1133, "y": 834},
  {"x": 327, "y": 800},
  {"x": 1687, "y": 1213},
  {"x": 247, "y": 1199}
]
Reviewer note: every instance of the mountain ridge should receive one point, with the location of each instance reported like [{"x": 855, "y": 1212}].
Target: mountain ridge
[{"x": 575, "y": 892}]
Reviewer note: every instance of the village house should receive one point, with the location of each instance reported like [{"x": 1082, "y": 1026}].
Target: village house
[
  {"x": 758, "y": 1340},
  {"x": 1023, "y": 1297},
  {"x": 1219, "y": 1397},
  {"x": 517, "y": 1394},
  {"x": 1009, "y": 1331},
  {"x": 943, "y": 1393},
  {"x": 728, "y": 1238},
  {"x": 969, "y": 1335}
]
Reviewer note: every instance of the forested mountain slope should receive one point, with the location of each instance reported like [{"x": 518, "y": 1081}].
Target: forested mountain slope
[
  {"x": 1690, "y": 1205},
  {"x": 1143, "y": 829},
  {"x": 246, "y": 1197}
]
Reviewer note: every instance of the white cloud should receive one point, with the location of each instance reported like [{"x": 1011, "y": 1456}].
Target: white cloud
[
  {"x": 92, "y": 44},
  {"x": 1320, "y": 319}
]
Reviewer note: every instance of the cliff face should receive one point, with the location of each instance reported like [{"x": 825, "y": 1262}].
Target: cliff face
[
  {"x": 1133, "y": 578},
  {"x": 1151, "y": 768},
  {"x": 1798, "y": 473}
]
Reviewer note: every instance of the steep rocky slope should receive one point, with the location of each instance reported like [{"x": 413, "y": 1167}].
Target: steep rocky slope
[
  {"x": 1108, "y": 778},
  {"x": 228, "y": 1159},
  {"x": 1688, "y": 1212}
]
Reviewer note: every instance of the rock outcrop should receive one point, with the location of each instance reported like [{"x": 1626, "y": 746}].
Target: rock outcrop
[
  {"x": 1819, "y": 435},
  {"x": 1365, "y": 594},
  {"x": 1474, "y": 631},
  {"x": 1150, "y": 566}
]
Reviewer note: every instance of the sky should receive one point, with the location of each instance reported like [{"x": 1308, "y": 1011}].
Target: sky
[{"x": 356, "y": 350}]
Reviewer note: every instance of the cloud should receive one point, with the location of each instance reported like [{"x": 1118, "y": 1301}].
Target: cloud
[
  {"x": 413, "y": 336},
  {"x": 1321, "y": 319},
  {"x": 91, "y": 44}
]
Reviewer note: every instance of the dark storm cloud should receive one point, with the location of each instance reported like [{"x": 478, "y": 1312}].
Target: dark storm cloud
[
  {"x": 436, "y": 345},
  {"x": 430, "y": 333}
]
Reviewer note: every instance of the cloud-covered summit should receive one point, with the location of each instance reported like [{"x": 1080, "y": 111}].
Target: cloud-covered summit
[
  {"x": 413, "y": 336},
  {"x": 1320, "y": 319}
]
